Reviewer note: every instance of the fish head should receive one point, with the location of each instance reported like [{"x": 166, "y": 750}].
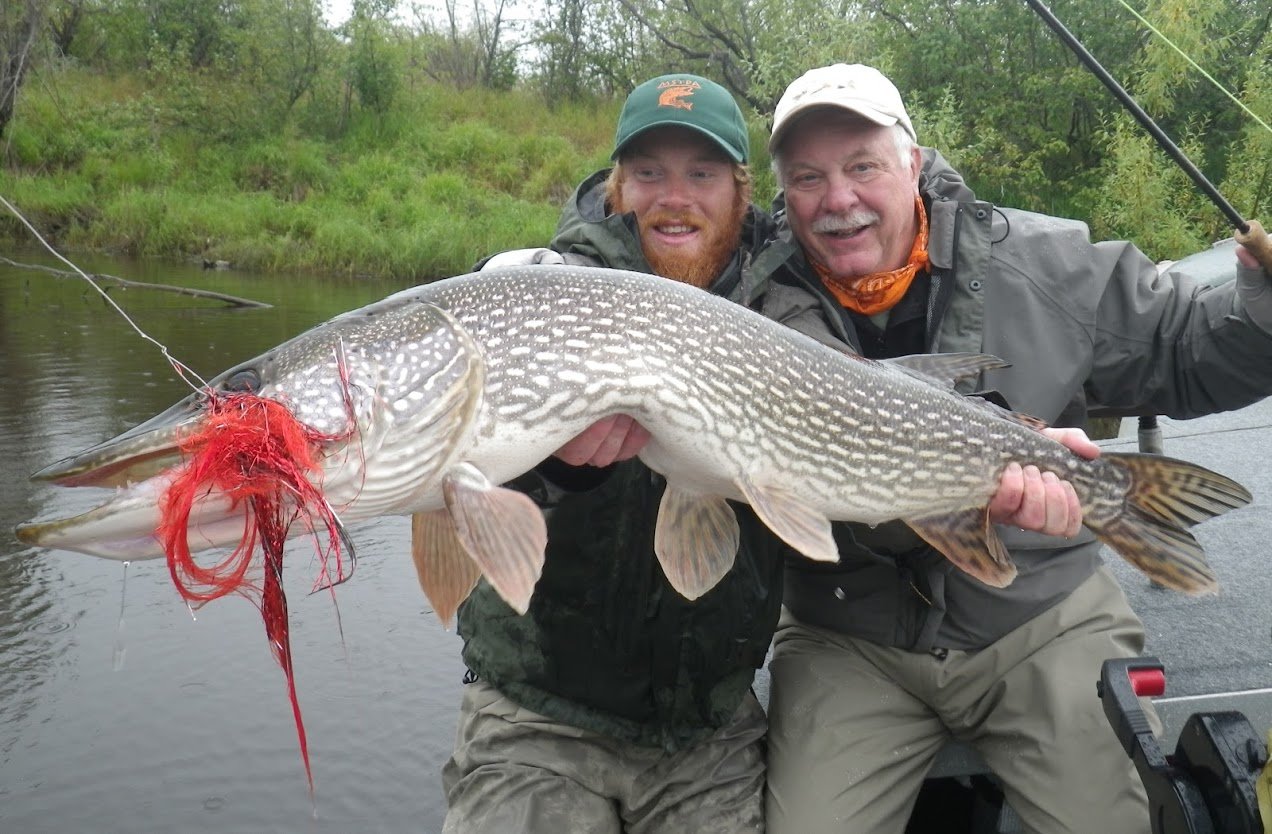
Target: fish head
[{"x": 387, "y": 395}]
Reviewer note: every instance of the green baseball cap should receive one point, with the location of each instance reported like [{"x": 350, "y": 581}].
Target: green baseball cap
[{"x": 688, "y": 101}]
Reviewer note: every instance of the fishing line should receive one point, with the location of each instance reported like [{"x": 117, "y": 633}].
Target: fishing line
[
  {"x": 1196, "y": 66},
  {"x": 177, "y": 365}
]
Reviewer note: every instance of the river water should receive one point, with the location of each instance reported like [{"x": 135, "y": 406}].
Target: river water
[{"x": 120, "y": 710}]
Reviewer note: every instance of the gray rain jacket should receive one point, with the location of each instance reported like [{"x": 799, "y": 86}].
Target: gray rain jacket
[{"x": 1082, "y": 324}]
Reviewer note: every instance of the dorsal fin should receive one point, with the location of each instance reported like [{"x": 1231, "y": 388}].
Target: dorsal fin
[{"x": 945, "y": 369}]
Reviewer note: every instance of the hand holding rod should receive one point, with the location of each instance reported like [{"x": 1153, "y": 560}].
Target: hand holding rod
[{"x": 1256, "y": 240}]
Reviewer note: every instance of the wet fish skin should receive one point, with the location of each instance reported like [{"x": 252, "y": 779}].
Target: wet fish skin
[{"x": 446, "y": 390}]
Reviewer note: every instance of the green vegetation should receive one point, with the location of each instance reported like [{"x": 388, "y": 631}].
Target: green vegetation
[
  {"x": 255, "y": 132},
  {"x": 421, "y": 192}
]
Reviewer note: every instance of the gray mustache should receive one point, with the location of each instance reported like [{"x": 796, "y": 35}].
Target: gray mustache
[{"x": 844, "y": 222}]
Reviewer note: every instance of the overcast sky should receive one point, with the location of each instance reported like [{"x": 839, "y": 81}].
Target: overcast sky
[{"x": 337, "y": 11}]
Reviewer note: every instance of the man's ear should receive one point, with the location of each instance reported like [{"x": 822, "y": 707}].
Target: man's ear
[{"x": 916, "y": 164}]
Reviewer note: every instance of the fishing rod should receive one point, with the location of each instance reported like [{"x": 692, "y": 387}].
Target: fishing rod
[{"x": 1249, "y": 234}]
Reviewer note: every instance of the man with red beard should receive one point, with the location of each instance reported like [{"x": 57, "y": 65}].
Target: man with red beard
[{"x": 614, "y": 704}]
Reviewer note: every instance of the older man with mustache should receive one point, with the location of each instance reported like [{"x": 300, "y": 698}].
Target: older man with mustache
[{"x": 883, "y": 658}]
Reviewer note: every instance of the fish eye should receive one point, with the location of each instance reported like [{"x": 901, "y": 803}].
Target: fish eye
[{"x": 243, "y": 382}]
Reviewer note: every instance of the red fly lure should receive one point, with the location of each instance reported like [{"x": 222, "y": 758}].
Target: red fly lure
[{"x": 256, "y": 452}]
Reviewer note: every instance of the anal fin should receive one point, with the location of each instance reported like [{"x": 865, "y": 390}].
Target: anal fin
[
  {"x": 968, "y": 540},
  {"x": 800, "y": 526}
]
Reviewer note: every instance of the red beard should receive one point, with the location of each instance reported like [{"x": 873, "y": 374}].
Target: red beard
[{"x": 705, "y": 264}]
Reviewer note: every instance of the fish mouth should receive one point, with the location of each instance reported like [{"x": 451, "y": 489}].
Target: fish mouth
[
  {"x": 134, "y": 456},
  {"x": 152, "y": 447},
  {"x": 139, "y": 464},
  {"x": 125, "y": 527}
]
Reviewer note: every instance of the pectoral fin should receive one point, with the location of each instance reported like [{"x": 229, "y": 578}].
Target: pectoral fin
[
  {"x": 696, "y": 540},
  {"x": 502, "y": 530},
  {"x": 803, "y": 528},
  {"x": 447, "y": 573},
  {"x": 968, "y": 540}
]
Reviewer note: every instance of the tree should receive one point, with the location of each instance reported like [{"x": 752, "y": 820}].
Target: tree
[
  {"x": 473, "y": 50},
  {"x": 561, "y": 38},
  {"x": 497, "y": 68},
  {"x": 20, "y": 23},
  {"x": 373, "y": 71},
  {"x": 717, "y": 35},
  {"x": 283, "y": 49},
  {"x": 64, "y": 23}
]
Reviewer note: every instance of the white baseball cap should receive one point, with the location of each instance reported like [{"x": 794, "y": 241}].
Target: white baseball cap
[{"x": 855, "y": 87}]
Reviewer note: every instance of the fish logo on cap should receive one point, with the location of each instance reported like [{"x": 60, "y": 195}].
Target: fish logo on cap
[{"x": 677, "y": 93}]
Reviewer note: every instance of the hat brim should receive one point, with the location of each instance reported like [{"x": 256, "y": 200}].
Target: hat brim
[
  {"x": 728, "y": 149},
  {"x": 854, "y": 106}
]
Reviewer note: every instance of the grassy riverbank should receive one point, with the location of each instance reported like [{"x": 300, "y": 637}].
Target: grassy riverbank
[
  {"x": 179, "y": 164},
  {"x": 445, "y": 178}
]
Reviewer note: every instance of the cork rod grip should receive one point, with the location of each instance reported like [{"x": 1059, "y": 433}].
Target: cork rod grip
[{"x": 1256, "y": 240}]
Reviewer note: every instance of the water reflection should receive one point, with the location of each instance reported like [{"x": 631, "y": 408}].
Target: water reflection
[{"x": 195, "y": 732}]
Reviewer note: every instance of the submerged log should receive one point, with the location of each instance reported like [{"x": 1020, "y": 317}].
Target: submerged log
[{"x": 109, "y": 281}]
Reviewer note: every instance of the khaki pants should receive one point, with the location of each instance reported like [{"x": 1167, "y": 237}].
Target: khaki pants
[
  {"x": 517, "y": 772},
  {"x": 854, "y": 727}
]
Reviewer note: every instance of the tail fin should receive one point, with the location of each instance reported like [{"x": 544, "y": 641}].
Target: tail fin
[{"x": 1167, "y": 496}]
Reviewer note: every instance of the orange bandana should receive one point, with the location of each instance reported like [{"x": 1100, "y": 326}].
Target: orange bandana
[{"x": 871, "y": 294}]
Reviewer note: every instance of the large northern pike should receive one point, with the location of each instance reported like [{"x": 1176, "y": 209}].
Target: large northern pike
[{"x": 432, "y": 397}]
